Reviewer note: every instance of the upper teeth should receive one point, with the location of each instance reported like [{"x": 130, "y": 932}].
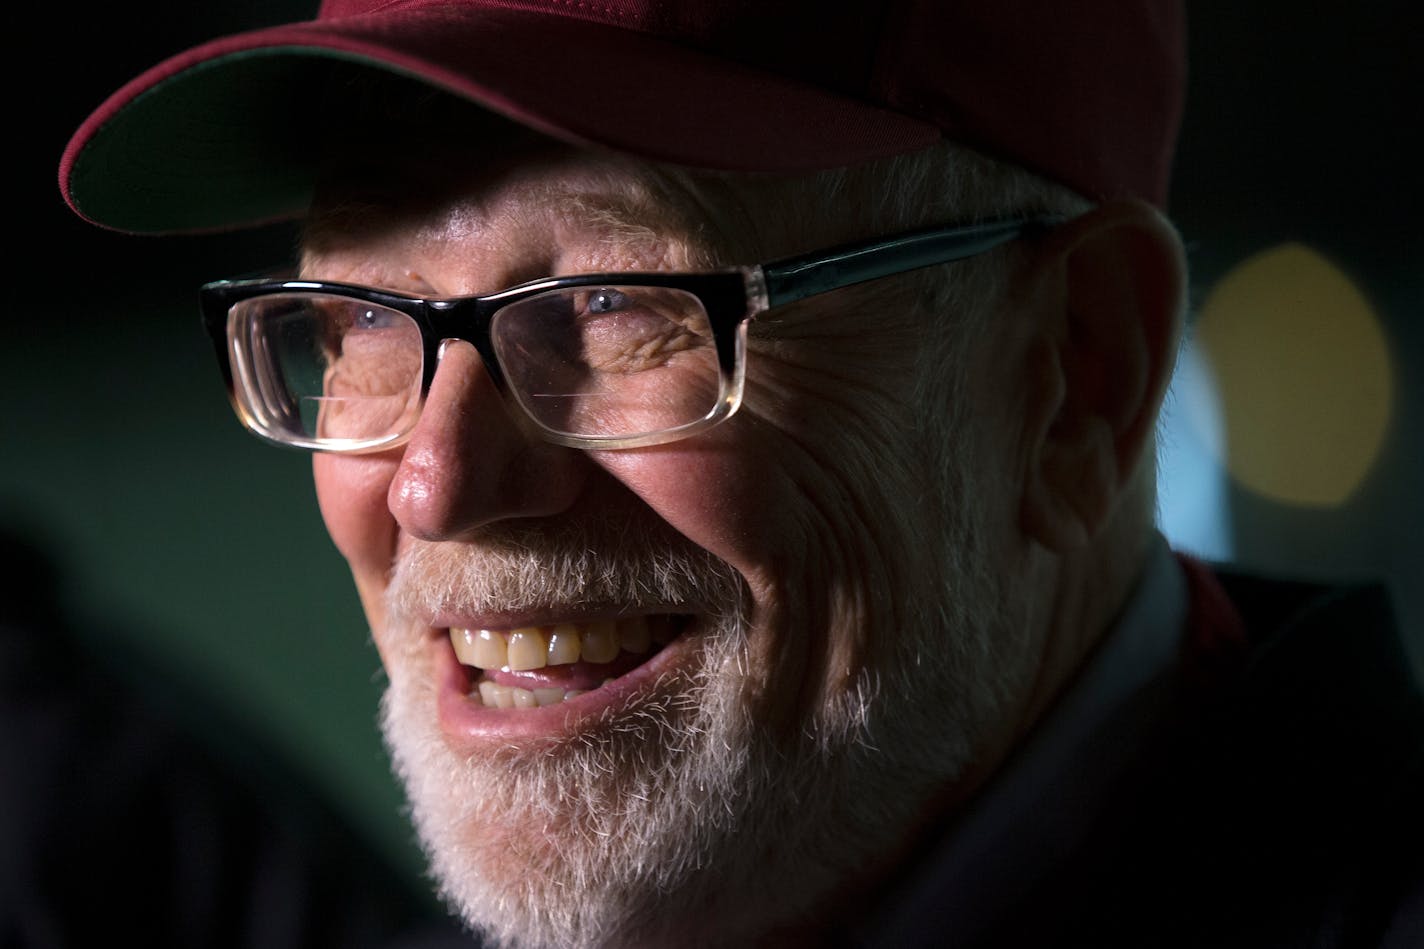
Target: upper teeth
[{"x": 534, "y": 647}]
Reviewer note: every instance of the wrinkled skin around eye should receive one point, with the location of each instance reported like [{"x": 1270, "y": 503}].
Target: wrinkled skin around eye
[
  {"x": 634, "y": 340},
  {"x": 372, "y": 381},
  {"x": 377, "y": 362}
]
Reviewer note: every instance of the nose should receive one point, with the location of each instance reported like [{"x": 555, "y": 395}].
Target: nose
[{"x": 469, "y": 463}]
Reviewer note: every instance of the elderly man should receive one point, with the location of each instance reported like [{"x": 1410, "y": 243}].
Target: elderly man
[{"x": 738, "y": 420}]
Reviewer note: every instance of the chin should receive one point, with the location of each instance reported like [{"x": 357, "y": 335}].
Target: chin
[{"x": 612, "y": 832}]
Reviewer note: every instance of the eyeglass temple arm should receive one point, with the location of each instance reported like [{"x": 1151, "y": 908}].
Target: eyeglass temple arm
[{"x": 795, "y": 278}]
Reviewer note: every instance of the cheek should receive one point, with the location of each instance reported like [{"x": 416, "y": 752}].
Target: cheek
[
  {"x": 351, "y": 492},
  {"x": 827, "y": 564},
  {"x": 737, "y": 492},
  {"x": 705, "y": 491}
]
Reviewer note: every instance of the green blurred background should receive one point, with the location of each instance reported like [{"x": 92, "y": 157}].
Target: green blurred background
[{"x": 182, "y": 541}]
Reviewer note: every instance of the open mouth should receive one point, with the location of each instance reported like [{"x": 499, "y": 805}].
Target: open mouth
[{"x": 537, "y": 666}]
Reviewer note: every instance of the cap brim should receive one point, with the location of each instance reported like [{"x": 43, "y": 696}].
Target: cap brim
[{"x": 219, "y": 137}]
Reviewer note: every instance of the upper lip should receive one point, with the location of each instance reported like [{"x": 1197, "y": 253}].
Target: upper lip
[{"x": 551, "y": 616}]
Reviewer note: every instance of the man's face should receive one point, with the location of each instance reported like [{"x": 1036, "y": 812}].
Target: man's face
[{"x": 829, "y": 642}]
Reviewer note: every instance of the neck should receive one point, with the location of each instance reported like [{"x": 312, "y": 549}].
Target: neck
[{"x": 1085, "y": 589}]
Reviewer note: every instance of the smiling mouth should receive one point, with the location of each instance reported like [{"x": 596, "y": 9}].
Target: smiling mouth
[{"x": 536, "y": 666}]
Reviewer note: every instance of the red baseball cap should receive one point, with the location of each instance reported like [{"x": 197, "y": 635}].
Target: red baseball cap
[{"x": 1087, "y": 93}]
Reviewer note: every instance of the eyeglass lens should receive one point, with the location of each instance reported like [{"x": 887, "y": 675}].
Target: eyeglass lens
[{"x": 605, "y": 361}]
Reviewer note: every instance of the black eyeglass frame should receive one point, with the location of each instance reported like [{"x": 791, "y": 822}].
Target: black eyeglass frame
[{"x": 731, "y": 298}]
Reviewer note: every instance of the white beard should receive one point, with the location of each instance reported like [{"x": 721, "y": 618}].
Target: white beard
[{"x": 677, "y": 820}]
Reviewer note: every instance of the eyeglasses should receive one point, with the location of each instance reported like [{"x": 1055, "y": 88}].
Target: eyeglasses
[{"x": 595, "y": 360}]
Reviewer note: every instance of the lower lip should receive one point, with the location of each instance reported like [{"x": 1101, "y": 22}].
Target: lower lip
[{"x": 466, "y": 720}]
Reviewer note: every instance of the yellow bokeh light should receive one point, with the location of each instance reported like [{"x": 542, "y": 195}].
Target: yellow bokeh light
[{"x": 1303, "y": 369}]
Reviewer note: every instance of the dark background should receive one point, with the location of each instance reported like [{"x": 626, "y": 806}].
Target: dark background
[{"x": 179, "y": 539}]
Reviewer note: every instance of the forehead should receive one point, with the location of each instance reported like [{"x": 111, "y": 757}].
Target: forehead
[{"x": 521, "y": 188}]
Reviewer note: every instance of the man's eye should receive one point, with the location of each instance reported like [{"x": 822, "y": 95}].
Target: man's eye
[
  {"x": 375, "y": 318},
  {"x": 607, "y": 300}
]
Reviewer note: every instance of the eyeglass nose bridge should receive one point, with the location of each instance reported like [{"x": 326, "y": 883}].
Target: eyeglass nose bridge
[{"x": 467, "y": 320}]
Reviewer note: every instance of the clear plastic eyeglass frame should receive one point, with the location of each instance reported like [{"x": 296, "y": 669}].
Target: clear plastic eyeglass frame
[{"x": 732, "y": 298}]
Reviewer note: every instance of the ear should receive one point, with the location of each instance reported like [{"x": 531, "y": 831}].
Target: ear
[{"x": 1112, "y": 303}]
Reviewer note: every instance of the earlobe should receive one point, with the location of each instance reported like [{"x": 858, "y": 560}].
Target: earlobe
[
  {"x": 1074, "y": 489},
  {"x": 1111, "y": 313}
]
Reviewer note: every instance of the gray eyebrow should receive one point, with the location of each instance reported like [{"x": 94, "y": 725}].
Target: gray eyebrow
[
  {"x": 640, "y": 214},
  {"x": 615, "y": 218}
]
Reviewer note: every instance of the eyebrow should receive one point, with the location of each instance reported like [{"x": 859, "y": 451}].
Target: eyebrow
[
  {"x": 618, "y": 219},
  {"x": 646, "y": 212}
]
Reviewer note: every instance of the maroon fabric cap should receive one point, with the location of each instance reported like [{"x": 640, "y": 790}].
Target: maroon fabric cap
[{"x": 1087, "y": 93}]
